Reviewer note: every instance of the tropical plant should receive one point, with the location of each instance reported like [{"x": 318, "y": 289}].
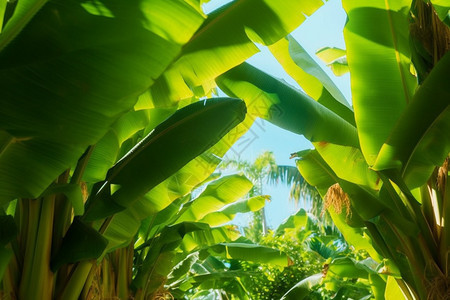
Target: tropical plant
[
  {"x": 264, "y": 170},
  {"x": 382, "y": 163},
  {"x": 322, "y": 262},
  {"x": 101, "y": 130}
]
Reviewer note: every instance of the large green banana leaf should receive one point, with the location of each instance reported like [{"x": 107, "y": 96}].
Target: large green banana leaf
[
  {"x": 122, "y": 227},
  {"x": 158, "y": 155},
  {"x": 345, "y": 267},
  {"x": 316, "y": 171},
  {"x": 349, "y": 164},
  {"x": 249, "y": 252},
  {"x": 378, "y": 55},
  {"x": 221, "y": 192},
  {"x": 286, "y": 107},
  {"x": 72, "y": 71},
  {"x": 310, "y": 76},
  {"x": 199, "y": 239},
  {"x": 227, "y": 213},
  {"x": 411, "y": 147},
  {"x": 159, "y": 207},
  {"x": 227, "y": 39},
  {"x": 108, "y": 149},
  {"x": 81, "y": 242}
]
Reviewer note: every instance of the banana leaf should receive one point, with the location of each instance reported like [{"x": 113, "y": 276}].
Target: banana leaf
[
  {"x": 227, "y": 213},
  {"x": 319, "y": 174},
  {"x": 286, "y": 107},
  {"x": 297, "y": 221},
  {"x": 349, "y": 164},
  {"x": 310, "y": 77},
  {"x": 379, "y": 61},
  {"x": 411, "y": 148},
  {"x": 248, "y": 252},
  {"x": 159, "y": 152},
  {"x": 225, "y": 40},
  {"x": 217, "y": 194},
  {"x": 71, "y": 71},
  {"x": 156, "y": 265}
]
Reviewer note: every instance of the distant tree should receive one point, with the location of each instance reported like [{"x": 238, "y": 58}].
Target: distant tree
[{"x": 264, "y": 170}]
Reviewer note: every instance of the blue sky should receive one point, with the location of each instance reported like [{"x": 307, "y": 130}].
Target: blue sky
[{"x": 322, "y": 29}]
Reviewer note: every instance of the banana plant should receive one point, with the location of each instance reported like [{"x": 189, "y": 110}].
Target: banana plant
[
  {"x": 381, "y": 164},
  {"x": 100, "y": 130}
]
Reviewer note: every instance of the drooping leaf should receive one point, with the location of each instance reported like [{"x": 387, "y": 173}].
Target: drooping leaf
[
  {"x": 72, "y": 192},
  {"x": 158, "y": 155},
  {"x": 217, "y": 194},
  {"x": 228, "y": 213},
  {"x": 315, "y": 170},
  {"x": 319, "y": 174},
  {"x": 80, "y": 243},
  {"x": 379, "y": 61},
  {"x": 159, "y": 207},
  {"x": 357, "y": 237},
  {"x": 286, "y": 107}
]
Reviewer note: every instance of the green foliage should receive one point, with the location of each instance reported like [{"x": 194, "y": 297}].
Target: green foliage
[
  {"x": 313, "y": 248},
  {"x": 382, "y": 176},
  {"x": 273, "y": 283},
  {"x": 103, "y": 138},
  {"x": 102, "y": 120}
]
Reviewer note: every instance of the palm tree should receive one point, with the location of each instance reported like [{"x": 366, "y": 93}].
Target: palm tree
[{"x": 265, "y": 170}]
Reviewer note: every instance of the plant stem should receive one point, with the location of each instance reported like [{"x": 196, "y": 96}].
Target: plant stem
[
  {"x": 37, "y": 278},
  {"x": 74, "y": 286},
  {"x": 11, "y": 279}
]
